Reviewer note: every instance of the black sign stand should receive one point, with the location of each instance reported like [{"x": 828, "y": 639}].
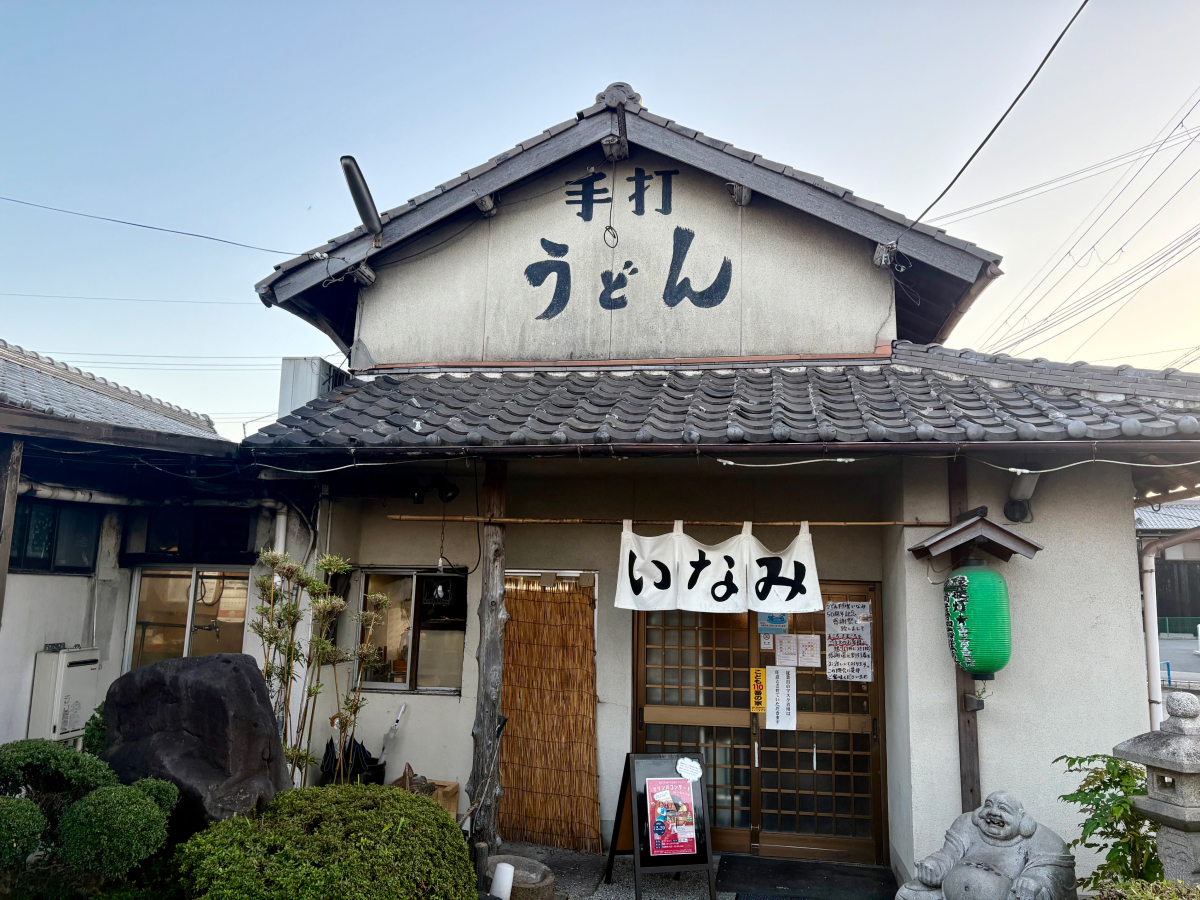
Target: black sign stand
[{"x": 633, "y": 812}]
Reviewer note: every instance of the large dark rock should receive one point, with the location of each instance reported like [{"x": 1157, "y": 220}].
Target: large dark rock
[{"x": 204, "y": 724}]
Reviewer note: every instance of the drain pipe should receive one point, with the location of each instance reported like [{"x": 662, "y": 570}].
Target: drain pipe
[
  {"x": 1150, "y": 617},
  {"x": 281, "y": 524}
]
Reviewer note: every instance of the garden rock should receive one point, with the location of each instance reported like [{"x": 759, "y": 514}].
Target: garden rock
[
  {"x": 531, "y": 879},
  {"x": 205, "y": 724}
]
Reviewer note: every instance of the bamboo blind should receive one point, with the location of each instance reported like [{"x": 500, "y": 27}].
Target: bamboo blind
[{"x": 548, "y": 766}]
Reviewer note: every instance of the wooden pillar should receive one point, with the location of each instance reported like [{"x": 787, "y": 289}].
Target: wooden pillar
[
  {"x": 492, "y": 616},
  {"x": 964, "y": 684},
  {"x": 11, "y": 451}
]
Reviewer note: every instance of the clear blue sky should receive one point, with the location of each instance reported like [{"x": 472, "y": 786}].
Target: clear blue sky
[{"x": 229, "y": 118}]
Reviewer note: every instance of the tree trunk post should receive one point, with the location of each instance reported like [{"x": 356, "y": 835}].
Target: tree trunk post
[
  {"x": 490, "y": 655},
  {"x": 11, "y": 452}
]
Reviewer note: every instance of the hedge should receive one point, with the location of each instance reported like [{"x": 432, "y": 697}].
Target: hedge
[
  {"x": 111, "y": 830},
  {"x": 369, "y": 842}
]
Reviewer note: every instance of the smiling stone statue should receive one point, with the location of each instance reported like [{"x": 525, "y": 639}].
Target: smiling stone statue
[{"x": 997, "y": 852}]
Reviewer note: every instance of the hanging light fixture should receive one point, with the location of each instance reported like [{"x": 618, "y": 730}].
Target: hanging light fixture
[{"x": 978, "y": 621}]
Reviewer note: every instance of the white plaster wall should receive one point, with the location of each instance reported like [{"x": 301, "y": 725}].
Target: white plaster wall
[
  {"x": 459, "y": 293},
  {"x": 922, "y": 735},
  {"x": 46, "y": 609},
  {"x": 1075, "y": 684},
  {"x": 1077, "y": 680}
]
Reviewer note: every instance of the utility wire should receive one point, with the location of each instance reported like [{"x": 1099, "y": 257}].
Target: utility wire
[
  {"x": 1107, "y": 231},
  {"x": 134, "y": 299},
  {"x": 1101, "y": 168},
  {"x": 999, "y": 122},
  {"x": 206, "y": 237},
  {"x": 1018, "y": 301}
]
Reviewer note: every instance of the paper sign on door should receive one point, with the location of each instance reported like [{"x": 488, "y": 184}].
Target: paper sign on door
[{"x": 781, "y": 698}]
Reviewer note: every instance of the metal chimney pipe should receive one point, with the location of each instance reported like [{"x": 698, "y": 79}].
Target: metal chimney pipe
[{"x": 362, "y": 196}]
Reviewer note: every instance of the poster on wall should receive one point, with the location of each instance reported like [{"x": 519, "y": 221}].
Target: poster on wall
[
  {"x": 758, "y": 690},
  {"x": 672, "y": 816},
  {"x": 787, "y": 650},
  {"x": 809, "y": 652},
  {"x": 848, "y": 641},
  {"x": 781, "y": 698},
  {"x": 772, "y": 623}
]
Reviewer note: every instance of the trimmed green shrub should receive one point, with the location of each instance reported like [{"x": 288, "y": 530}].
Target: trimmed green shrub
[
  {"x": 51, "y": 775},
  {"x": 111, "y": 830},
  {"x": 370, "y": 842},
  {"x": 95, "y": 732},
  {"x": 1137, "y": 889},
  {"x": 164, "y": 794},
  {"x": 21, "y": 828}
]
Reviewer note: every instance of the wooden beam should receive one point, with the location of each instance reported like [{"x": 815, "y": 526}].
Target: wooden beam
[
  {"x": 964, "y": 683},
  {"x": 490, "y": 655},
  {"x": 11, "y": 451},
  {"x": 39, "y": 425},
  {"x": 511, "y": 520}
]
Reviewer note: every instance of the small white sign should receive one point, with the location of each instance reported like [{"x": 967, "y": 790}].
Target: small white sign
[
  {"x": 810, "y": 650},
  {"x": 787, "y": 650},
  {"x": 766, "y": 642},
  {"x": 781, "y": 698},
  {"x": 688, "y": 768}
]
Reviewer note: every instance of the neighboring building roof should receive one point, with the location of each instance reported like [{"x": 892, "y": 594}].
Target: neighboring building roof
[
  {"x": 925, "y": 393},
  {"x": 1177, "y": 515},
  {"x": 30, "y": 381},
  {"x": 951, "y": 272}
]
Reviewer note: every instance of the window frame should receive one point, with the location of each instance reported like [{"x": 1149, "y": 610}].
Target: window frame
[
  {"x": 414, "y": 650},
  {"x": 29, "y": 504},
  {"x": 135, "y": 587}
]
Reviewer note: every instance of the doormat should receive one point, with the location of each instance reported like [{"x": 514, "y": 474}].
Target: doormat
[{"x": 759, "y": 878}]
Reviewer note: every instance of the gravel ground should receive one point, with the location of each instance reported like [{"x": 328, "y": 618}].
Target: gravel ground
[
  {"x": 690, "y": 886},
  {"x": 579, "y": 875}
]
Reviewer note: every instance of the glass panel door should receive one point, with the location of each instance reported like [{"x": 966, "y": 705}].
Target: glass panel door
[
  {"x": 219, "y": 620},
  {"x": 816, "y": 792},
  {"x": 160, "y": 622}
]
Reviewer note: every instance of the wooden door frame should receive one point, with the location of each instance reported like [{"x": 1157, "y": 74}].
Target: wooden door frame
[{"x": 881, "y": 818}]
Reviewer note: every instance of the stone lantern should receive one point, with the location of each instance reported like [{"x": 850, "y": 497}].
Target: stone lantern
[{"x": 1171, "y": 756}]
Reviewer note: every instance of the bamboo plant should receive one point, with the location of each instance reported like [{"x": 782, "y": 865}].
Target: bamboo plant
[{"x": 279, "y": 615}]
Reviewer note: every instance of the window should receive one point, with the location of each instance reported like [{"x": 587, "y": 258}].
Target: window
[
  {"x": 186, "y": 612},
  {"x": 184, "y": 535},
  {"x": 56, "y": 538},
  {"x": 437, "y": 605}
]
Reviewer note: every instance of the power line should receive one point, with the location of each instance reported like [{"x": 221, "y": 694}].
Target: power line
[
  {"x": 206, "y": 237},
  {"x": 1108, "y": 230},
  {"x": 134, "y": 299},
  {"x": 986, "y": 206},
  {"x": 999, "y": 122},
  {"x": 1018, "y": 301},
  {"x": 1158, "y": 263}
]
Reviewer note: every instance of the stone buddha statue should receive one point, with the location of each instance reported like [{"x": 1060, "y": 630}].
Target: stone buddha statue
[{"x": 997, "y": 852}]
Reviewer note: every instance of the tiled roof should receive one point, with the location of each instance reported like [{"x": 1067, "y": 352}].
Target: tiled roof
[
  {"x": 832, "y": 202},
  {"x": 31, "y": 381},
  {"x": 925, "y": 393},
  {"x": 1177, "y": 516}
]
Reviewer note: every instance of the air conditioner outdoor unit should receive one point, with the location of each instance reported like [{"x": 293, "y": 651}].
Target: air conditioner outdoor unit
[{"x": 65, "y": 688}]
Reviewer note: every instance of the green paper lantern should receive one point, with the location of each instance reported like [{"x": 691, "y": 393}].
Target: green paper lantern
[{"x": 978, "y": 623}]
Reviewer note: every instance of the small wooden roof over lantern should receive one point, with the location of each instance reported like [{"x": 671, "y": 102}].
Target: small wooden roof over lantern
[{"x": 977, "y": 531}]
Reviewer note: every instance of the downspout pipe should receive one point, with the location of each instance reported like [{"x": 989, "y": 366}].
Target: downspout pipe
[{"x": 1150, "y": 617}]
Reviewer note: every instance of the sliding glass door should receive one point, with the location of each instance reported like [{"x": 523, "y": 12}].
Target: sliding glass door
[{"x": 185, "y": 612}]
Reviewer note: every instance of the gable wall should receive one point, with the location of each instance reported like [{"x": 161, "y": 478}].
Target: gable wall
[{"x": 796, "y": 285}]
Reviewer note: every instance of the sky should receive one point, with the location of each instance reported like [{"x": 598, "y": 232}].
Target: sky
[{"x": 228, "y": 119}]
